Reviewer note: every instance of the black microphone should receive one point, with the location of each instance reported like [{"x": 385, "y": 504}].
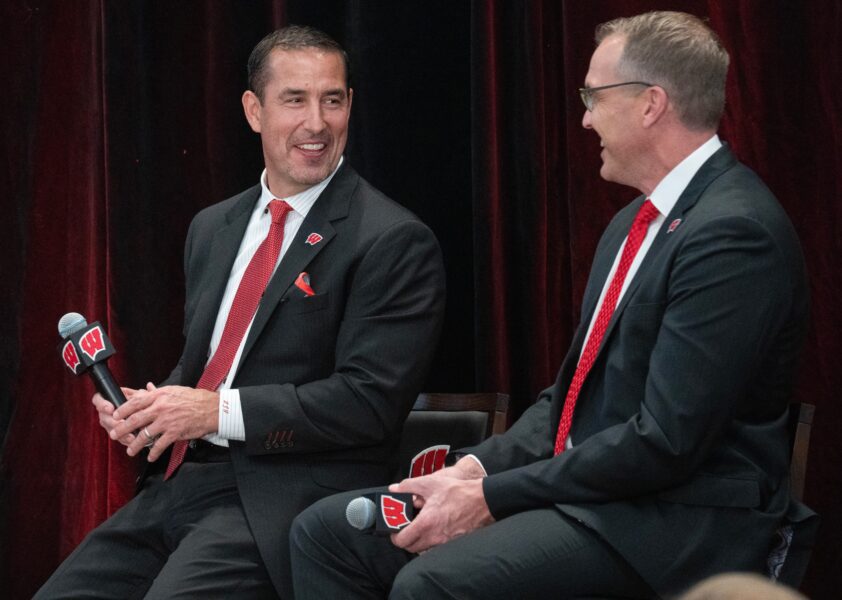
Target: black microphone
[
  {"x": 381, "y": 513},
  {"x": 85, "y": 348}
]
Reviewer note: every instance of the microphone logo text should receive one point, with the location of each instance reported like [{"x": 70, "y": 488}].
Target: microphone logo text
[
  {"x": 71, "y": 359},
  {"x": 394, "y": 512},
  {"x": 91, "y": 343}
]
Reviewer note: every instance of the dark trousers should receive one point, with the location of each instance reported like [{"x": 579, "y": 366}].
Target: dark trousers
[
  {"x": 533, "y": 554},
  {"x": 183, "y": 538}
]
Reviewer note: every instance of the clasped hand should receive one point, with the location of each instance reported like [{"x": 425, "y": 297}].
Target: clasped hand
[
  {"x": 157, "y": 417},
  {"x": 452, "y": 504}
]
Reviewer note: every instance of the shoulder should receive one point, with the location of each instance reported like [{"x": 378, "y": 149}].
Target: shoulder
[{"x": 373, "y": 214}]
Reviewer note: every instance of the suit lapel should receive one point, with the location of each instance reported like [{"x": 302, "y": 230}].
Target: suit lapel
[
  {"x": 224, "y": 245},
  {"x": 332, "y": 205}
]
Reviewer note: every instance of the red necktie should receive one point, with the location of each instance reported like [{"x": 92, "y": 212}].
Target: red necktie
[
  {"x": 242, "y": 311},
  {"x": 637, "y": 232}
]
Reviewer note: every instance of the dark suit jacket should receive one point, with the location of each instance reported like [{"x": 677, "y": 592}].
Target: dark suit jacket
[
  {"x": 325, "y": 381},
  {"x": 681, "y": 453}
]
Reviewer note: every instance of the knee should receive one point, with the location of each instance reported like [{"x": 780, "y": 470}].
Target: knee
[
  {"x": 319, "y": 525},
  {"x": 417, "y": 580}
]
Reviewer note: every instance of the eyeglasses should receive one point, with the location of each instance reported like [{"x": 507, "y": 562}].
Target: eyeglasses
[{"x": 587, "y": 93}]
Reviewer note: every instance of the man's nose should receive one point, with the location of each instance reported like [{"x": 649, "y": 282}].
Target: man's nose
[
  {"x": 586, "y": 120},
  {"x": 315, "y": 121}
]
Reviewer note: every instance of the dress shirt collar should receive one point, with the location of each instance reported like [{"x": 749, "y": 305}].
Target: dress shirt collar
[
  {"x": 667, "y": 192},
  {"x": 301, "y": 202}
]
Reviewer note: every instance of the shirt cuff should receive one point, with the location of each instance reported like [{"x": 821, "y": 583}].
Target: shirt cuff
[{"x": 231, "y": 424}]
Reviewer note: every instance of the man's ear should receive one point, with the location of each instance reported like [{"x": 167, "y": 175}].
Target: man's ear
[
  {"x": 656, "y": 105},
  {"x": 252, "y": 106}
]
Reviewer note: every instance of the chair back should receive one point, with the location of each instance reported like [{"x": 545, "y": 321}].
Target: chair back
[
  {"x": 800, "y": 424},
  {"x": 442, "y": 422}
]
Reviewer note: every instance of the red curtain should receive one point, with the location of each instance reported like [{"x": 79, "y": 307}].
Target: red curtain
[{"x": 123, "y": 120}]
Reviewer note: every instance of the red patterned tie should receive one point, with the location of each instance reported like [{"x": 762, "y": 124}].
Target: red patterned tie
[
  {"x": 242, "y": 311},
  {"x": 637, "y": 232}
]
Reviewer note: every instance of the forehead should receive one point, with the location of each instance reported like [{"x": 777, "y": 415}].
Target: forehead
[
  {"x": 306, "y": 68},
  {"x": 603, "y": 65}
]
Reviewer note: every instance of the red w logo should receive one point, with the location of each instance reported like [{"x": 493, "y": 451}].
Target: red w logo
[
  {"x": 394, "y": 512},
  {"x": 71, "y": 359},
  {"x": 313, "y": 239},
  {"x": 91, "y": 343},
  {"x": 428, "y": 460}
]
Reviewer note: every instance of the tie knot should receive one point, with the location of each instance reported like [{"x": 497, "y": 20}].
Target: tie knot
[
  {"x": 646, "y": 213},
  {"x": 279, "y": 210}
]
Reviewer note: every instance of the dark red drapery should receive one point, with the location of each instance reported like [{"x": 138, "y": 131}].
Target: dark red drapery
[{"x": 123, "y": 120}]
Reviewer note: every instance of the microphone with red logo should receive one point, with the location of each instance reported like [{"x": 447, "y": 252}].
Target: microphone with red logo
[
  {"x": 85, "y": 348},
  {"x": 381, "y": 513}
]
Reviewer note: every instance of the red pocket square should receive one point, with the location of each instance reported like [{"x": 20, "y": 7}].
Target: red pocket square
[{"x": 303, "y": 284}]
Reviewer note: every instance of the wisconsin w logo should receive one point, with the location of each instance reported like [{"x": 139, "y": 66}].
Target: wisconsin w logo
[{"x": 394, "y": 512}]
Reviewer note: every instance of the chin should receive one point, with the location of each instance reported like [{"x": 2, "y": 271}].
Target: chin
[{"x": 605, "y": 173}]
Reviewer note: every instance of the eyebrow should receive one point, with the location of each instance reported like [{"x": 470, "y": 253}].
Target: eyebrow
[{"x": 302, "y": 92}]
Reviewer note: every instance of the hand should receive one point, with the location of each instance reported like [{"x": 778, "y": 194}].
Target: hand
[
  {"x": 105, "y": 410},
  {"x": 465, "y": 468},
  {"x": 166, "y": 415},
  {"x": 451, "y": 507}
]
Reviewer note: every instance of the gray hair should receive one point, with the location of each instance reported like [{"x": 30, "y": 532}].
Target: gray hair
[
  {"x": 680, "y": 53},
  {"x": 292, "y": 37}
]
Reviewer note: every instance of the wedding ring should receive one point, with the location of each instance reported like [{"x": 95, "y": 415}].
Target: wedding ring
[{"x": 149, "y": 439}]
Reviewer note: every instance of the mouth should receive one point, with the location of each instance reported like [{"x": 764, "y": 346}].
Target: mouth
[{"x": 311, "y": 149}]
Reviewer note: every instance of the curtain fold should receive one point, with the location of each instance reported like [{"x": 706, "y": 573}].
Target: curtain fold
[{"x": 124, "y": 120}]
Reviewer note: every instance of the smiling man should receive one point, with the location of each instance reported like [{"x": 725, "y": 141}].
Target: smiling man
[
  {"x": 660, "y": 454},
  {"x": 313, "y": 307}
]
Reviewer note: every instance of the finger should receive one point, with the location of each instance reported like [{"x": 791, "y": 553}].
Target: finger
[
  {"x": 160, "y": 445},
  {"x": 132, "y": 424},
  {"x": 408, "y": 537},
  {"x": 150, "y": 387},
  {"x": 137, "y": 444},
  {"x": 101, "y": 404},
  {"x": 416, "y": 485},
  {"x": 138, "y": 402}
]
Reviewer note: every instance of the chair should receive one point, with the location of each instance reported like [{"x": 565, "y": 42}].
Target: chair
[
  {"x": 794, "y": 540},
  {"x": 801, "y": 422},
  {"x": 441, "y": 422}
]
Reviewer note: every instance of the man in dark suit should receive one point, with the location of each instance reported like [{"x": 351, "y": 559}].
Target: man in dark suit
[
  {"x": 287, "y": 391},
  {"x": 660, "y": 454}
]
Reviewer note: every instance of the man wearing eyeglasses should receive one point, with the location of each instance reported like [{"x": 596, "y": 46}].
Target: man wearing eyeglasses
[{"x": 660, "y": 455}]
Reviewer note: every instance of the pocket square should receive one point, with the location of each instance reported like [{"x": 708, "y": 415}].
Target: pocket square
[{"x": 302, "y": 282}]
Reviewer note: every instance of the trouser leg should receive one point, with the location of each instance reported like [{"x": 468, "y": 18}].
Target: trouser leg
[{"x": 539, "y": 553}]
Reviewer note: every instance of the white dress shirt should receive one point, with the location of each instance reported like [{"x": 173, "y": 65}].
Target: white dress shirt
[{"x": 231, "y": 424}]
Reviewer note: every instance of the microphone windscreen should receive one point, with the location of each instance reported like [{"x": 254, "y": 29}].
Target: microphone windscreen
[
  {"x": 360, "y": 513},
  {"x": 70, "y": 323}
]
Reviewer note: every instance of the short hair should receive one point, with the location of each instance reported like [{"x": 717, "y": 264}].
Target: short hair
[
  {"x": 680, "y": 53},
  {"x": 292, "y": 37},
  {"x": 740, "y": 586}
]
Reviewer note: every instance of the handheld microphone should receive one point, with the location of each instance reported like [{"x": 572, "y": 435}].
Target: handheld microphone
[
  {"x": 85, "y": 348},
  {"x": 381, "y": 513}
]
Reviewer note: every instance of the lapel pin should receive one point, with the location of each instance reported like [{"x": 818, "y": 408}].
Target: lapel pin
[
  {"x": 313, "y": 239},
  {"x": 674, "y": 225}
]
